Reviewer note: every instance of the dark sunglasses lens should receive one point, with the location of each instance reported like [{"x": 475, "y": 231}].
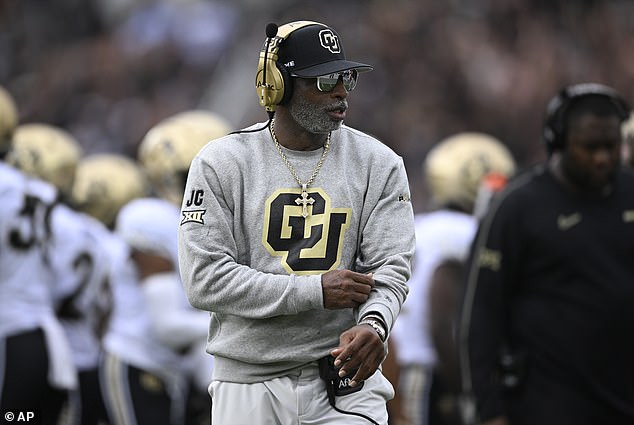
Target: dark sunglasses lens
[
  {"x": 327, "y": 83},
  {"x": 350, "y": 79}
]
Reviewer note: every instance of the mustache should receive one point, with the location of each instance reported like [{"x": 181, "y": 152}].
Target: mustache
[{"x": 340, "y": 105}]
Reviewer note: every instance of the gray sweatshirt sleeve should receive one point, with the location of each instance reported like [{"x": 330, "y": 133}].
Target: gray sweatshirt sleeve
[{"x": 387, "y": 242}]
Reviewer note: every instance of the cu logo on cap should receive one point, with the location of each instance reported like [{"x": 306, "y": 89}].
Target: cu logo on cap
[{"x": 329, "y": 41}]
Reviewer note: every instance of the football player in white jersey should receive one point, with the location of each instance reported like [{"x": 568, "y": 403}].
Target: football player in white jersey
[
  {"x": 35, "y": 358},
  {"x": 77, "y": 256},
  {"x": 83, "y": 299},
  {"x": 36, "y": 368},
  {"x": 162, "y": 327},
  {"x": 104, "y": 183},
  {"x": 453, "y": 171},
  {"x": 166, "y": 153}
]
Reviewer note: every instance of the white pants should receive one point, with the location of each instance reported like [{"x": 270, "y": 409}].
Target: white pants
[{"x": 300, "y": 399}]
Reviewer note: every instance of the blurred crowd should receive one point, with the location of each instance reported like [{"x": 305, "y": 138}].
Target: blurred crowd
[{"x": 108, "y": 70}]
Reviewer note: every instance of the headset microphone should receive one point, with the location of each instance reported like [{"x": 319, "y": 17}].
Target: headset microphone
[{"x": 271, "y": 30}]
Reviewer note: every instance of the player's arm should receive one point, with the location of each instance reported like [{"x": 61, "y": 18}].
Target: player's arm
[{"x": 175, "y": 322}]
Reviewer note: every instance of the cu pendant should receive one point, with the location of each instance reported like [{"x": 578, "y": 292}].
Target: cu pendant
[{"x": 304, "y": 201}]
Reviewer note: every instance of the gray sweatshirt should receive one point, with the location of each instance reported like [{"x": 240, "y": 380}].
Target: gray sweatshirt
[{"x": 248, "y": 256}]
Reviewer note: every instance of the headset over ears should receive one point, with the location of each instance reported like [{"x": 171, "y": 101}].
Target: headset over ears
[
  {"x": 273, "y": 82},
  {"x": 555, "y": 122}
]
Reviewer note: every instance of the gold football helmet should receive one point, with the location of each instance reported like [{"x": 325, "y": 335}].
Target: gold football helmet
[
  {"x": 454, "y": 168},
  {"x": 104, "y": 183},
  {"x": 169, "y": 147},
  {"x": 47, "y": 152},
  {"x": 8, "y": 120}
]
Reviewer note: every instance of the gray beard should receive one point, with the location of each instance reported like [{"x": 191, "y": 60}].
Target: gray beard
[{"x": 309, "y": 117}]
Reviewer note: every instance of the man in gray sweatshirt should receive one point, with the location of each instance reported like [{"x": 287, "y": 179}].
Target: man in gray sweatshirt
[{"x": 297, "y": 235}]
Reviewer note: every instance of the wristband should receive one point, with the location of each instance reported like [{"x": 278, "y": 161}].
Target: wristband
[{"x": 377, "y": 326}]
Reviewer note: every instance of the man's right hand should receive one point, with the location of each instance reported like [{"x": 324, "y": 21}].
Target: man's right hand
[{"x": 345, "y": 288}]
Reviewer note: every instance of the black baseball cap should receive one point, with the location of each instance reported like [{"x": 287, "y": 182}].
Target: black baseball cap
[{"x": 315, "y": 50}]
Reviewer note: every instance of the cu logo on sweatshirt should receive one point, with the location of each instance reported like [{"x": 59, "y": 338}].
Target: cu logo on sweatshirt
[{"x": 308, "y": 245}]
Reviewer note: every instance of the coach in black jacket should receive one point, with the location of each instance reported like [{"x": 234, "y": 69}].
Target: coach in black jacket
[{"x": 547, "y": 327}]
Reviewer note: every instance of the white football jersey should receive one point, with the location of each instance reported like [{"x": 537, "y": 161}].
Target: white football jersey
[
  {"x": 82, "y": 294},
  {"x": 153, "y": 322},
  {"x": 440, "y": 235},
  {"x": 25, "y": 276},
  {"x": 130, "y": 335},
  {"x": 178, "y": 325}
]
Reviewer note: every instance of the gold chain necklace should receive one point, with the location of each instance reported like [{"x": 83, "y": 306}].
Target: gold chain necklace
[{"x": 304, "y": 200}]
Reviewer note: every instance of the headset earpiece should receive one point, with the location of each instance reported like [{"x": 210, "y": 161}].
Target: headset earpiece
[
  {"x": 269, "y": 82},
  {"x": 273, "y": 82},
  {"x": 554, "y": 123},
  {"x": 552, "y": 133}
]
